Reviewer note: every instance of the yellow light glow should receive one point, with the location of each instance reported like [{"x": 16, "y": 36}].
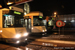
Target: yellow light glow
[
  {"x": 10, "y": 7},
  {"x": 18, "y": 36},
  {"x": 55, "y": 33},
  {"x": 32, "y": 27},
  {"x": 25, "y": 13},
  {"x": 0, "y": 6},
  {"x": 9, "y": 3},
  {"x": 43, "y": 30},
  {"x": 55, "y": 13},
  {"x": 27, "y": 48},
  {"x": 55, "y": 45},
  {"x": 0, "y": 30},
  {"x": 25, "y": 34},
  {"x": 18, "y": 42}
]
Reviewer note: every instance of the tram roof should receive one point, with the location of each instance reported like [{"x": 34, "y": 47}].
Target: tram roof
[{"x": 35, "y": 13}]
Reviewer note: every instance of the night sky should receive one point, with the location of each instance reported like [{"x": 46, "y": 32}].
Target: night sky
[{"x": 50, "y": 6}]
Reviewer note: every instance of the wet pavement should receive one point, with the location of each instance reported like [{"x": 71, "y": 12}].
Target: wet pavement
[
  {"x": 7, "y": 47},
  {"x": 32, "y": 44}
]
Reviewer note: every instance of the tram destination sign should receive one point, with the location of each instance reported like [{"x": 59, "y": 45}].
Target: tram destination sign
[{"x": 15, "y": 12}]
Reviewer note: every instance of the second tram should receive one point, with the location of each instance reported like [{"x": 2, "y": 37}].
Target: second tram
[{"x": 37, "y": 23}]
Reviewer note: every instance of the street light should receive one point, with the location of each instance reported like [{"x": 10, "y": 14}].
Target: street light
[
  {"x": 55, "y": 14},
  {"x": 9, "y": 3}
]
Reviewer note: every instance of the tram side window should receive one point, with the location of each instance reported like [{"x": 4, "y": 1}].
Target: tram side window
[
  {"x": 8, "y": 21},
  {"x": 22, "y": 22}
]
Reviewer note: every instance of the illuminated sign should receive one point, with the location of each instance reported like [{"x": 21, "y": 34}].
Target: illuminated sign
[
  {"x": 15, "y": 12},
  {"x": 40, "y": 17}
]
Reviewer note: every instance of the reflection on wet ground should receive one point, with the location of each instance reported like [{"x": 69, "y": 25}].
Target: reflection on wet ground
[{"x": 66, "y": 35}]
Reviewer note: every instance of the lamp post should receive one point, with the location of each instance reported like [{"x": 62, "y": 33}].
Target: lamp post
[
  {"x": 54, "y": 16},
  {"x": 55, "y": 13}
]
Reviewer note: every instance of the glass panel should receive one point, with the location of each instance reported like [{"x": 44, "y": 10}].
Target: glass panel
[
  {"x": 37, "y": 21},
  {"x": 8, "y": 21},
  {"x": 25, "y": 22},
  {"x": 22, "y": 22},
  {"x": 45, "y": 22},
  {"x": 29, "y": 20},
  {"x": 13, "y": 21}
]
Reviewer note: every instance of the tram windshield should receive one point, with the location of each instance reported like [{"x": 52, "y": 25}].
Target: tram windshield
[
  {"x": 37, "y": 21},
  {"x": 12, "y": 21}
]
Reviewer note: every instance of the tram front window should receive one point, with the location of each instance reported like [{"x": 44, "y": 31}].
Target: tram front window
[
  {"x": 12, "y": 21},
  {"x": 37, "y": 21}
]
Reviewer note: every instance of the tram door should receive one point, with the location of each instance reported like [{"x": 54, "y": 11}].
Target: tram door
[{"x": 28, "y": 25}]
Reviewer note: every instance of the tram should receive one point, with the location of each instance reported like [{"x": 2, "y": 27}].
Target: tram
[
  {"x": 12, "y": 26},
  {"x": 37, "y": 23}
]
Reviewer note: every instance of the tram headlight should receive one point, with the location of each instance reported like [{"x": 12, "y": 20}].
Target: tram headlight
[
  {"x": 0, "y": 31},
  {"x": 17, "y": 41},
  {"x": 18, "y": 36},
  {"x": 43, "y": 30},
  {"x": 25, "y": 34},
  {"x": 32, "y": 27}
]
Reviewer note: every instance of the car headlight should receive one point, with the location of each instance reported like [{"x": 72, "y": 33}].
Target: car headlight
[
  {"x": 18, "y": 36},
  {"x": 25, "y": 34}
]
